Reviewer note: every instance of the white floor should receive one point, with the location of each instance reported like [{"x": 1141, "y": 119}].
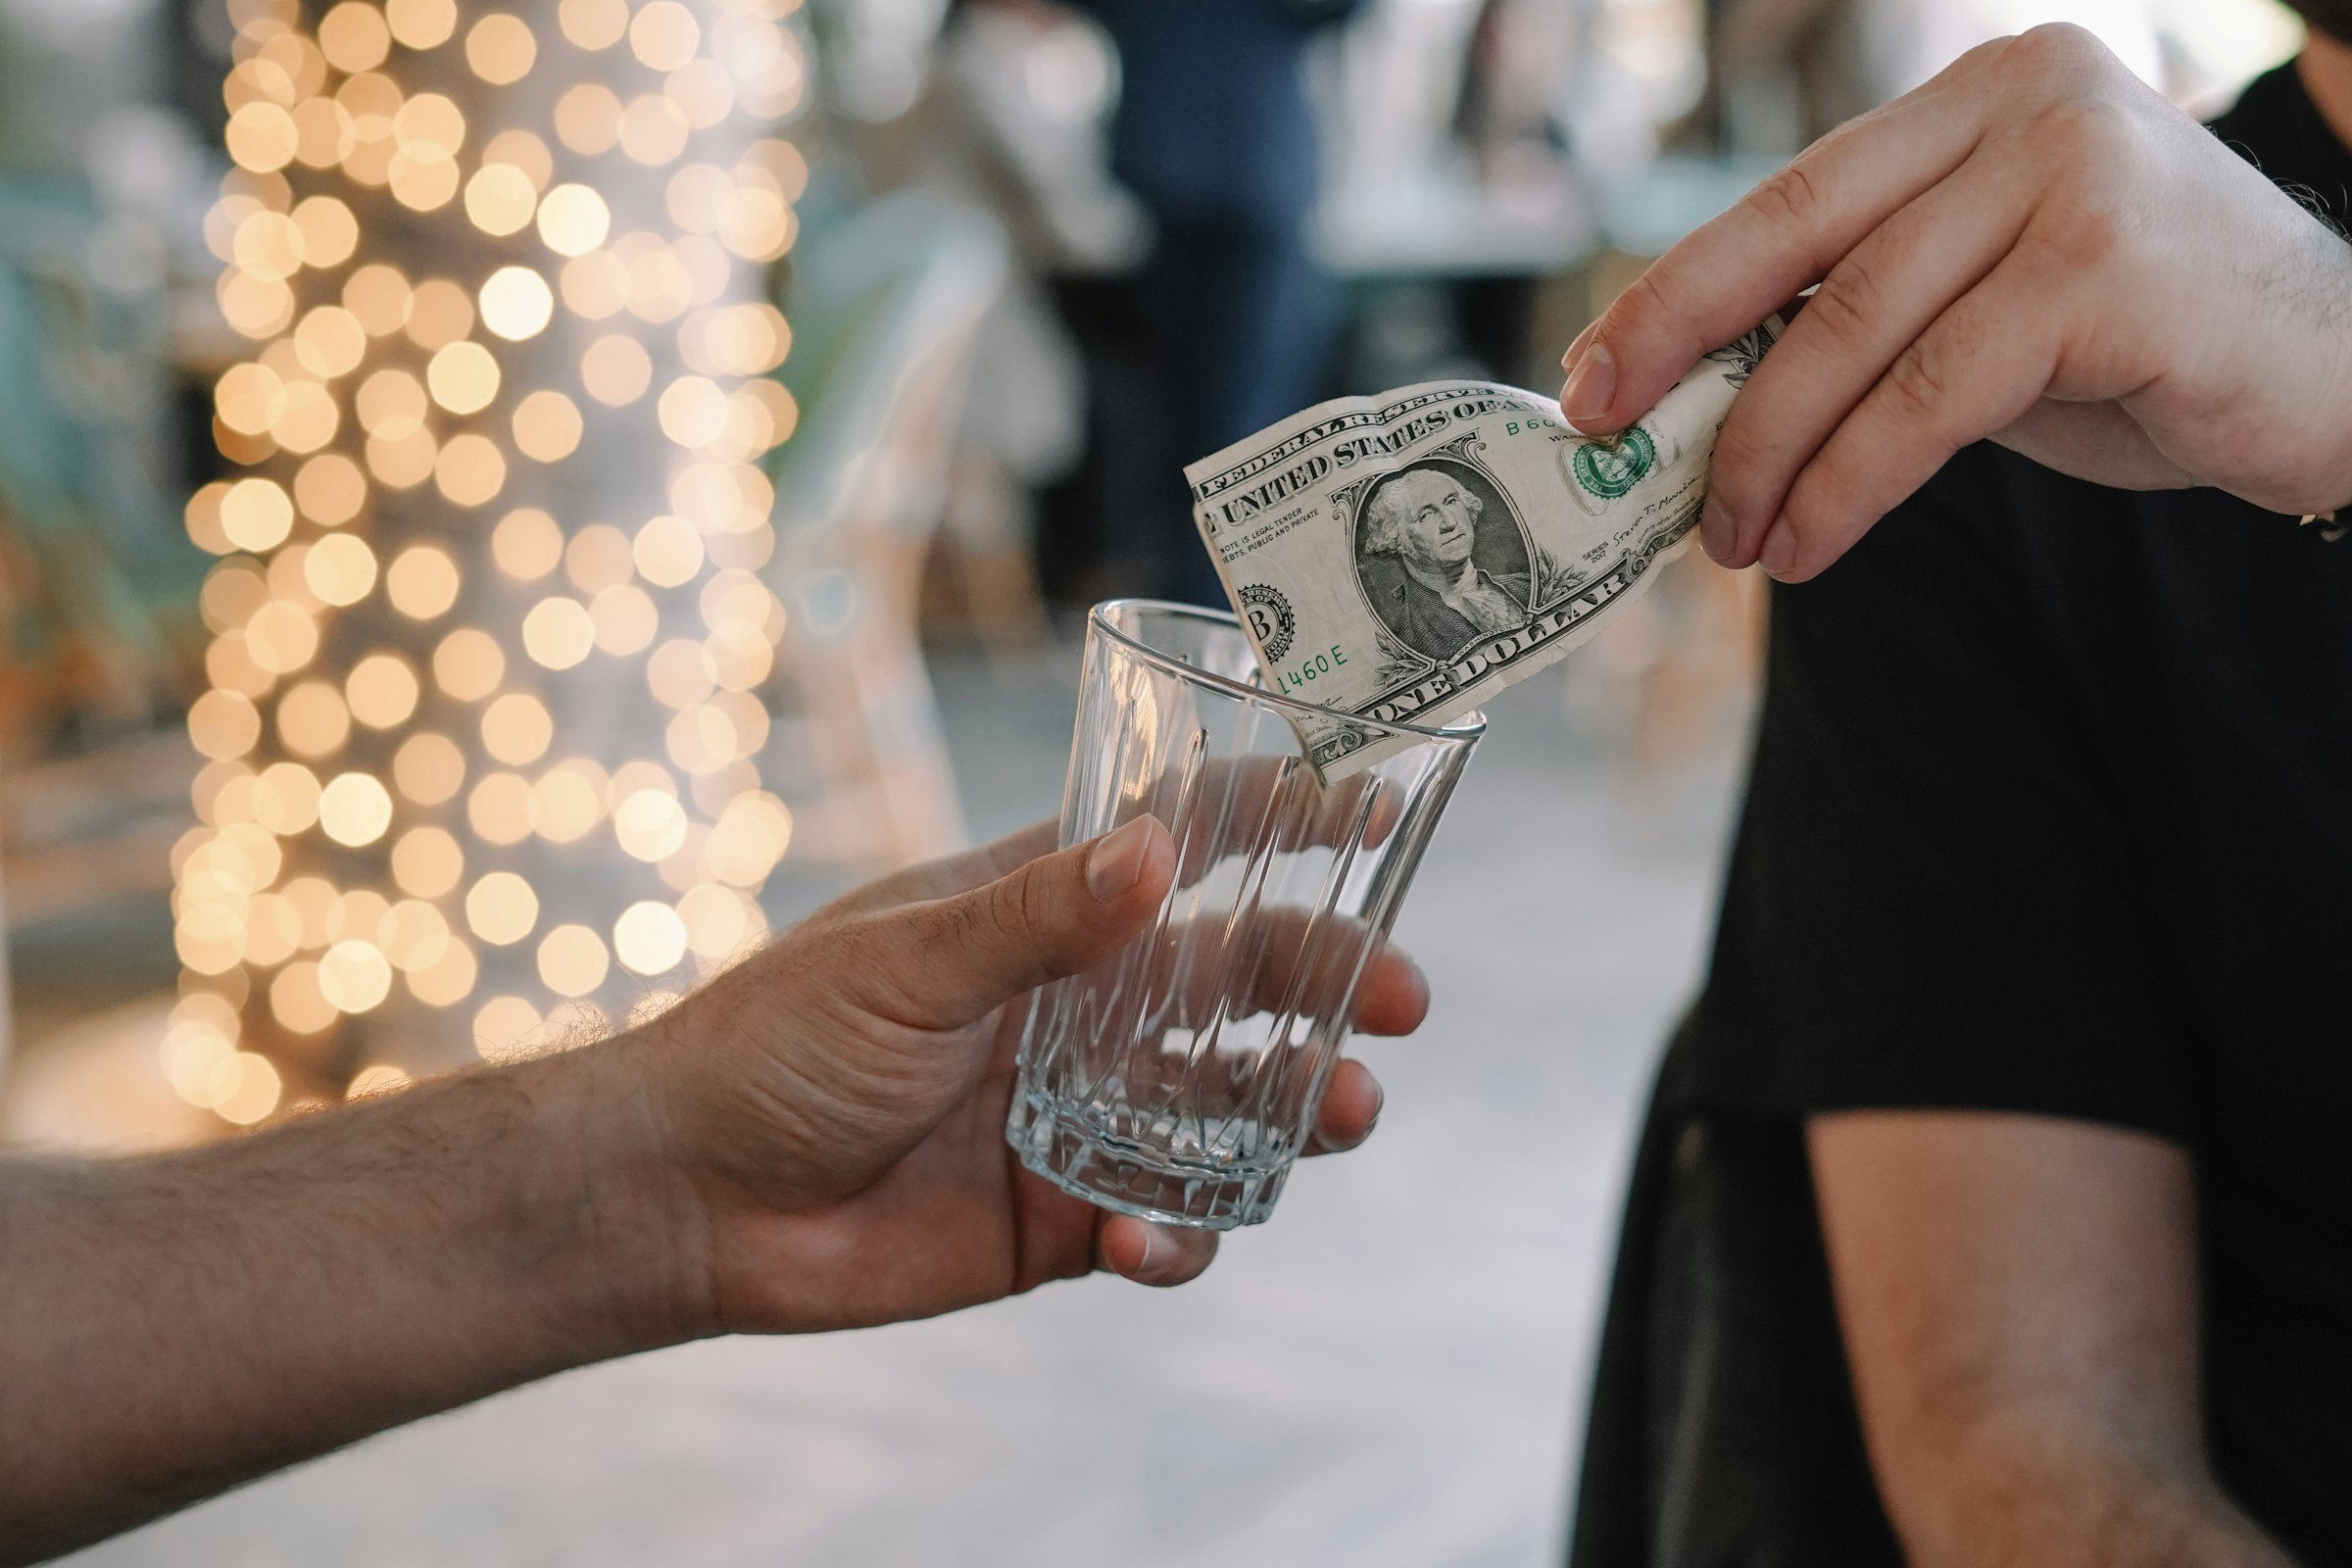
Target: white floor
[{"x": 1391, "y": 1373}]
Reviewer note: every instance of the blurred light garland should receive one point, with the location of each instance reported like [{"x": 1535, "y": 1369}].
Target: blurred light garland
[{"x": 483, "y": 727}]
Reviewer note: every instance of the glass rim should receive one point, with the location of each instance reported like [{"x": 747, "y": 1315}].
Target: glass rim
[{"x": 1460, "y": 731}]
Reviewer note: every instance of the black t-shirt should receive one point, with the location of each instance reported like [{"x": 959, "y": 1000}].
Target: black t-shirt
[{"x": 2051, "y": 811}]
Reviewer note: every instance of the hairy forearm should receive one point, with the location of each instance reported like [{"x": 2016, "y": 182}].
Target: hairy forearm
[
  {"x": 2018, "y": 1297},
  {"x": 2009, "y": 1495},
  {"x": 171, "y": 1326}
]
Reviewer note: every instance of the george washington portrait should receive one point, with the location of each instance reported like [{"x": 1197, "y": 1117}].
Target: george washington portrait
[{"x": 1440, "y": 557}]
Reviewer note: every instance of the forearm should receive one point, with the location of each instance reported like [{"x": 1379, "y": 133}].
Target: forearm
[
  {"x": 2007, "y": 1497},
  {"x": 174, "y": 1325},
  {"x": 2018, "y": 1297}
]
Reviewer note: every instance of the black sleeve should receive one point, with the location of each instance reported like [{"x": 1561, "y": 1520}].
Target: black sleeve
[
  {"x": 1322, "y": 12},
  {"x": 1932, "y": 900},
  {"x": 1308, "y": 14}
]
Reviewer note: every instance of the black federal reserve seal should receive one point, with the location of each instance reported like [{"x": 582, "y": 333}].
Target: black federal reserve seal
[{"x": 1270, "y": 619}]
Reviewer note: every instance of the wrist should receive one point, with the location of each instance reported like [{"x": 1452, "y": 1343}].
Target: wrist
[
  {"x": 619, "y": 1194},
  {"x": 2327, "y": 479}
]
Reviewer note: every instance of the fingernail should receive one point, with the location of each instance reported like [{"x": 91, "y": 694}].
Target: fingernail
[
  {"x": 1420, "y": 980},
  {"x": 1779, "y": 548},
  {"x": 1717, "y": 533},
  {"x": 1159, "y": 1252},
  {"x": 1380, "y": 1102},
  {"x": 1114, "y": 863},
  {"x": 1590, "y": 385},
  {"x": 1576, "y": 350}
]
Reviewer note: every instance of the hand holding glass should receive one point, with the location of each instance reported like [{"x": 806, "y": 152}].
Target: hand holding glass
[{"x": 1179, "y": 1081}]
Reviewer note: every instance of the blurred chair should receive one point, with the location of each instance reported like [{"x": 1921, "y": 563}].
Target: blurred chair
[
  {"x": 98, "y": 580},
  {"x": 885, "y": 304},
  {"x": 100, "y": 574},
  {"x": 1013, "y": 123}
]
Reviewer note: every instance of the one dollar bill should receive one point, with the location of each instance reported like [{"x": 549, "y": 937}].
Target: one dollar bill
[{"x": 1402, "y": 557}]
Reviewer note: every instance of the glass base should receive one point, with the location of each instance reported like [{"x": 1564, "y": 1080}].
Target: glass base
[{"x": 1129, "y": 1179}]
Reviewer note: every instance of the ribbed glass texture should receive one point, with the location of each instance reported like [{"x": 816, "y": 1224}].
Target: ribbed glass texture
[{"x": 1180, "y": 1080}]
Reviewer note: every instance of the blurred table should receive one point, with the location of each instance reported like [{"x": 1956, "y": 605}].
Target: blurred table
[
  {"x": 1644, "y": 212},
  {"x": 1440, "y": 222}
]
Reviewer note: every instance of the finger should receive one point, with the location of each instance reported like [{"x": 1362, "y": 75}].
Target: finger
[
  {"x": 1017, "y": 849},
  {"x": 1350, "y": 1112},
  {"x": 1873, "y": 305},
  {"x": 946, "y": 962},
  {"x": 1950, "y": 388},
  {"x": 948, "y": 875},
  {"x": 1244, "y": 805},
  {"x": 2096, "y": 441},
  {"x": 1395, "y": 995},
  {"x": 1153, "y": 1254},
  {"x": 1778, "y": 239},
  {"x": 1286, "y": 960}
]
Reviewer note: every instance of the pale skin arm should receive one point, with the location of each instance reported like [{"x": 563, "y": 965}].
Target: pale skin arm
[
  {"x": 2034, "y": 248},
  {"x": 2019, "y": 1301},
  {"x": 813, "y": 1141}
]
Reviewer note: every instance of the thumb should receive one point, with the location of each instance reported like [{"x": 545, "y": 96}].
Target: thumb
[{"x": 949, "y": 961}]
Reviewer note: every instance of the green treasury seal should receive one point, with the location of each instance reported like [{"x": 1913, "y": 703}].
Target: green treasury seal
[{"x": 1609, "y": 468}]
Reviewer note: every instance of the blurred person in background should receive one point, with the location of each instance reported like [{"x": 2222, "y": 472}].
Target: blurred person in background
[
  {"x": 1812, "y": 43},
  {"x": 815, "y": 1141},
  {"x": 1834, "y": 59},
  {"x": 1230, "y": 318},
  {"x": 1992, "y": 1207},
  {"x": 1014, "y": 122}
]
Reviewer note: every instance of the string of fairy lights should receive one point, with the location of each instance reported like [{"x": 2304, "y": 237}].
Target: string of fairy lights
[{"x": 499, "y": 446}]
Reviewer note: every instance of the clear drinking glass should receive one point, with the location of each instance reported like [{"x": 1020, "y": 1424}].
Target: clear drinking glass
[{"x": 1180, "y": 1080}]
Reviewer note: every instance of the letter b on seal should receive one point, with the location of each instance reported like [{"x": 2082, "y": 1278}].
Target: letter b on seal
[{"x": 1270, "y": 619}]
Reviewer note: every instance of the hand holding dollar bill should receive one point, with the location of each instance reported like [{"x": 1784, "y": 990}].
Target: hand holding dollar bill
[{"x": 1408, "y": 556}]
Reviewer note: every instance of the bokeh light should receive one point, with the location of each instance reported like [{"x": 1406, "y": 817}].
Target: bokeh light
[
  {"x": 427, "y": 862},
  {"x": 547, "y": 427},
  {"x": 468, "y": 259},
  {"x": 428, "y": 768},
  {"x": 572, "y": 961},
  {"x": 504, "y": 1028},
  {"x": 377, "y": 1078},
  {"x": 516, "y": 303},
  {"x": 500, "y": 198},
  {"x": 468, "y": 663},
  {"x": 502, "y": 907},
  {"x": 617, "y": 369},
  {"x": 464, "y": 377},
  {"x": 423, "y": 582},
  {"x": 354, "y": 809},
  {"x": 500, "y": 49},
  {"x": 421, "y": 23},
  {"x": 558, "y": 632},
  {"x": 650, "y": 938},
  {"x": 382, "y": 690}
]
